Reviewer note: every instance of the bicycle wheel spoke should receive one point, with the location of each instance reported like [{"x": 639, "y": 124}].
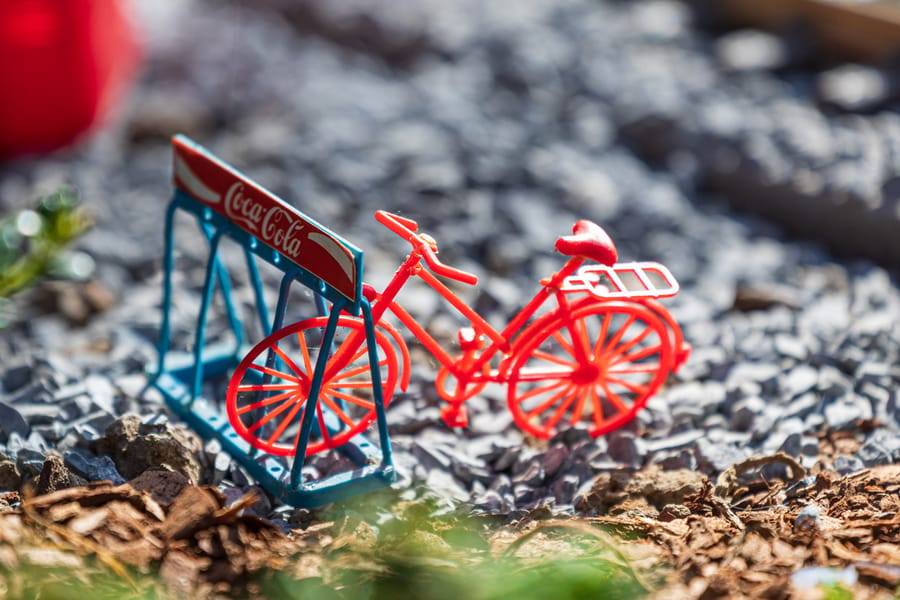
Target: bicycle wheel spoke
[
  {"x": 274, "y": 373},
  {"x": 323, "y": 429},
  {"x": 581, "y": 344},
  {"x": 584, "y": 339},
  {"x": 287, "y": 421},
  {"x": 551, "y": 358},
  {"x": 287, "y": 360},
  {"x": 267, "y": 401},
  {"x": 599, "y": 419},
  {"x": 361, "y": 402},
  {"x": 541, "y": 375},
  {"x": 543, "y": 406},
  {"x": 353, "y": 346},
  {"x": 352, "y": 399},
  {"x": 357, "y": 370},
  {"x": 579, "y": 405},
  {"x": 363, "y": 350},
  {"x": 601, "y": 338},
  {"x": 642, "y": 368},
  {"x": 270, "y": 416},
  {"x": 304, "y": 350},
  {"x": 337, "y": 360},
  {"x": 617, "y": 336},
  {"x": 634, "y": 387},
  {"x": 560, "y": 412},
  {"x": 563, "y": 343},
  {"x": 638, "y": 355},
  {"x": 613, "y": 397},
  {"x": 626, "y": 346},
  {"x": 353, "y": 385},
  {"x": 333, "y": 406},
  {"x": 541, "y": 389},
  {"x": 266, "y": 387}
]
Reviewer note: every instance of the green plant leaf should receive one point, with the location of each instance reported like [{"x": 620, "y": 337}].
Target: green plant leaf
[{"x": 33, "y": 242}]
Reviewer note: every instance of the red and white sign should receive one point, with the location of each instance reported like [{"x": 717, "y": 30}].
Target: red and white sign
[{"x": 264, "y": 216}]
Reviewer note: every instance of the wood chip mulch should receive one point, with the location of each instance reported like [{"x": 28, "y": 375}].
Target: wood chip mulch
[
  {"x": 185, "y": 532},
  {"x": 766, "y": 528}
]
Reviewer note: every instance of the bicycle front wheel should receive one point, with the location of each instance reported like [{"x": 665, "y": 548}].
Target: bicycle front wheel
[
  {"x": 268, "y": 394},
  {"x": 597, "y": 365}
]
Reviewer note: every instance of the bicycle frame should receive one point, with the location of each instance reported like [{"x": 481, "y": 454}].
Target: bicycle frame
[
  {"x": 597, "y": 354},
  {"x": 600, "y": 289},
  {"x": 472, "y": 366},
  {"x": 472, "y": 369}
]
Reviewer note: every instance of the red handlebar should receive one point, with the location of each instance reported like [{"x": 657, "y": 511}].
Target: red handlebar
[
  {"x": 407, "y": 228},
  {"x": 447, "y": 271}
]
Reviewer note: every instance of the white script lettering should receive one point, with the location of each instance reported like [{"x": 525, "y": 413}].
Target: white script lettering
[
  {"x": 282, "y": 230},
  {"x": 241, "y": 208}
]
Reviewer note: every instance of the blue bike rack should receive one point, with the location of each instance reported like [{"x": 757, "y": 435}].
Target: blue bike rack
[{"x": 227, "y": 204}]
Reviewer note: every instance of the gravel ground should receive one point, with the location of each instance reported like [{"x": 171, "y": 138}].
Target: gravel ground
[{"x": 496, "y": 128}]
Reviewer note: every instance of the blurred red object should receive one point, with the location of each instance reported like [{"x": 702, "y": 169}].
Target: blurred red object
[{"x": 63, "y": 65}]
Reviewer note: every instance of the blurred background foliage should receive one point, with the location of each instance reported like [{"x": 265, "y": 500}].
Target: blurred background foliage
[{"x": 34, "y": 244}]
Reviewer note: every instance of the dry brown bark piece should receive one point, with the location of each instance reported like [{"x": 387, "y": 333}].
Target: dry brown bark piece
[
  {"x": 140, "y": 552},
  {"x": 879, "y": 573},
  {"x": 163, "y": 486},
  {"x": 97, "y": 494},
  {"x": 641, "y": 492},
  {"x": 11, "y": 528},
  {"x": 183, "y": 570},
  {"x": 191, "y": 511},
  {"x": 196, "y": 540},
  {"x": 89, "y": 520},
  {"x": 64, "y": 511},
  {"x": 728, "y": 486}
]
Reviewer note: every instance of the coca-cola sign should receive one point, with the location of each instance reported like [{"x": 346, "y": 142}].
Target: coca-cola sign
[{"x": 264, "y": 216}]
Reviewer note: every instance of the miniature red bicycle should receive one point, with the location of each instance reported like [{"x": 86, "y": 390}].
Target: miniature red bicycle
[{"x": 592, "y": 346}]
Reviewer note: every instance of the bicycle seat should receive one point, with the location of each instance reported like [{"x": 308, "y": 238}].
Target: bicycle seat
[{"x": 590, "y": 241}]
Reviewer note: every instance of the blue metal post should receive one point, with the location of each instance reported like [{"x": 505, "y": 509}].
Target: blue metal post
[
  {"x": 234, "y": 318},
  {"x": 200, "y": 337},
  {"x": 321, "y": 307},
  {"x": 377, "y": 391},
  {"x": 224, "y": 281},
  {"x": 312, "y": 401},
  {"x": 261, "y": 309},
  {"x": 281, "y": 306}
]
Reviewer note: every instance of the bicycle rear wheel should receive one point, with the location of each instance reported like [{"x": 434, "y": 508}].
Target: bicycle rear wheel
[
  {"x": 598, "y": 365},
  {"x": 269, "y": 392}
]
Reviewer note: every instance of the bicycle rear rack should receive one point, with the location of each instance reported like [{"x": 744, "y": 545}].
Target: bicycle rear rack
[
  {"x": 623, "y": 280},
  {"x": 227, "y": 204}
]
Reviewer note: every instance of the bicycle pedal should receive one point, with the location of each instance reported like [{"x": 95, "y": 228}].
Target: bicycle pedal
[{"x": 455, "y": 416}]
